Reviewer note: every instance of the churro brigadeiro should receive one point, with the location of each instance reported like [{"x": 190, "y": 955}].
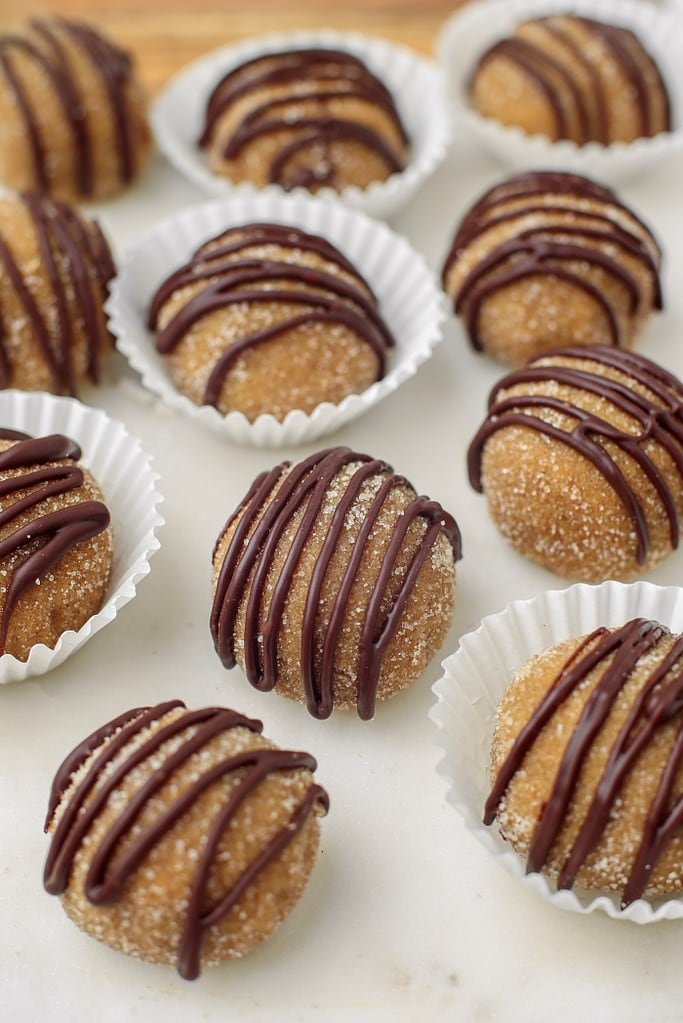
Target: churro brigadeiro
[
  {"x": 182, "y": 836},
  {"x": 73, "y": 117},
  {"x": 586, "y": 762},
  {"x": 334, "y": 582}
]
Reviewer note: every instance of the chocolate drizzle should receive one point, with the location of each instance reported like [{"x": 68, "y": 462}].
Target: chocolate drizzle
[
  {"x": 558, "y": 77},
  {"x": 659, "y": 421},
  {"x": 317, "y": 78},
  {"x": 110, "y": 870},
  {"x": 45, "y": 46},
  {"x": 566, "y": 232},
  {"x": 275, "y": 498},
  {"x": 616, "y": 653},
  {"x": 231, "y": 277},
  {"x": 77, "y": 264},
  {"x": 55, "y": 532}
]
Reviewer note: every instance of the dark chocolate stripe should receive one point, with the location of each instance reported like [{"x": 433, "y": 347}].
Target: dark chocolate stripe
[
  {"x": 314, "y": 131},
  {"x": 618, "y": 652},
  {"x": 72, "y": 105},
  {"x": 113, "y": 67},
  {"x": 317, "y": 65},
  {"x": 662, "y": 424},
  {"x": 612, "y": 38},
  {"x": 597, "y": 109},
  {"x": 222, "y": 278},
  {"x": 535, "y": 185},
  {"x": 252, "y": 549},
  {"x": 528, "y": 255},
  {"x": 61, "y": 530},
  {"x": 108, "y": 874},
  {"x": 536, "y": 64}
]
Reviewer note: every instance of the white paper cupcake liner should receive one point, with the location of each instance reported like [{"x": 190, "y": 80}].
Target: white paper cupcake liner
[
  {"x": 470, "y": 32},
  {"x": 409, "y": 298},
  {"x": 416, "y": 84},
  {"x": 127, "y": 480},
  {"x": 474, "y": 679}
]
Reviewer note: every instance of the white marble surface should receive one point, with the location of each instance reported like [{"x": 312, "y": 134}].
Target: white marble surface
[{"x": 405, "y": 918}]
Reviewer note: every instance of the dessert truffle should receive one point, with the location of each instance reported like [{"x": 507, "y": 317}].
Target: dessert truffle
[
  {"x": 55, "y": 267},
  {"x": 570, "y": 77},
  {"x": 310, "y": 118},
  {"x": 546, "y": 259},
  {"x": 266, "y": 318},
  {"x": 333, "y": 582},
  {"x": 585, "y": 762},
  {"x": 182, "y": 836},
  {"x": 73, "y": 121},
  {"x": 55, "y": 541},
  {"x": 581, "y": 461}
]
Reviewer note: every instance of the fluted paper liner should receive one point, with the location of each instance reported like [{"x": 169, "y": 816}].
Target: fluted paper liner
[
  {"x": 473, "y": 681},
  {"x": 128, "y": 482},
  {"x": 474, "y": 28},
  {"x": 409, "y": 299},
  {"x": 415, "y": 83}
]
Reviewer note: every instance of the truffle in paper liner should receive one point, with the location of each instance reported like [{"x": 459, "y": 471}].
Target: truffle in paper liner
[
  {"x": 410, "y": 303},
  {"x": 473, "y": 681},
  {"x": 128, "y": 483},
  {"x": 415, "y": 83},
  {"x": 471, "y": 30}
]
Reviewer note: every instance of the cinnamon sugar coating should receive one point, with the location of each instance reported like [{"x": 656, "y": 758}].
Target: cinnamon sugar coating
[
  {"x": 585, "y": 762},
  {"x": 333, "y": 582},
  {"x": 546, "y": 259},
  {"x": 266, "y": 318},
  {"x": 315, "y": 118},
  {"x": 73, "y": 119},
  {"x": 55, "y": 267},
  {"x": 581, "y": 462},
  {"x": 182, "y": 836},
  {"x": 569, "y": 77},
  {"x": 55, "y": 542}
]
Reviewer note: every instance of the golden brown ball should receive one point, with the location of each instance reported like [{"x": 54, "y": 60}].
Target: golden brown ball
[
  {"x": 585, "y": 762},
  {"x": 266, "y": 318},
  {"x": 55, "y": 267},
  {"x": 333, "y": 582},
  {"x": 182, "y": 836},
  {"x": 73, "y": 118},
  {"x": 55, "y": 541},
  {"x": 546, "y": 259},
  {"x": 571, "y": 77},
  {"x": 309, "y": 118},
  {"x": 581, "y": 461}
]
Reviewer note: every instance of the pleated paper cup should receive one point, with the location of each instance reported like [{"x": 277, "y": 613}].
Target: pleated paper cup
[
  {"x": 473, "y": 682},
  {"x": 415, "y": 83},
  {"x": 410, "y": 302},
  {"x": 471, "y": 31},
  {"x": 128, "y": 483}
]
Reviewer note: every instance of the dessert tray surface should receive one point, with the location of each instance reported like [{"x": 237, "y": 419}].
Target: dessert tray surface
[{"x": 405, "y": 917}]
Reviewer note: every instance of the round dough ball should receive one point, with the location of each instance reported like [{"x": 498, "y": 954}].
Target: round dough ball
[
  {"x": 333, "y": 582},
  {"x": 569, "y": 77},
  {"x": 546, "y": 259},
  {"x": 266, "y": 318},
  {"x": 581, "y": 462},
  {"x": 182, "y": 836},
  {"x": 55, "y": 267},
  {"x": 585, "y": 762},
  {"x": 308, "y": 119},
  {"x": 55, "y": 542},
  {"x": 73, "y": 119}
]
